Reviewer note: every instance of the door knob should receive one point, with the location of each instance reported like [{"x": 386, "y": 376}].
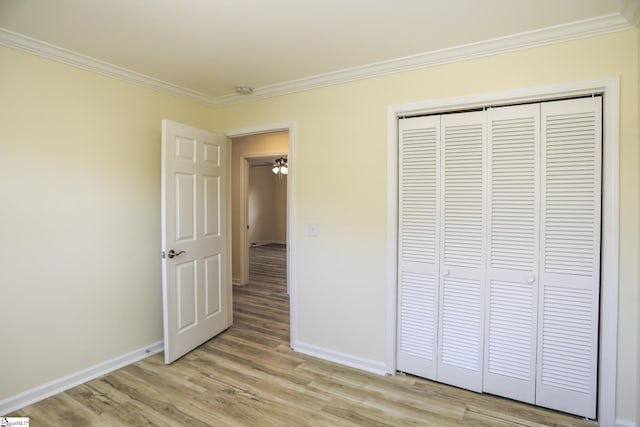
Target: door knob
[
  {"x": 445, "y": 272},
  {"x": 173, "y": 254}
]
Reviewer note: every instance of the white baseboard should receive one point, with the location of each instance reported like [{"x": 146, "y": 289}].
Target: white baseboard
[
  {"x": 43, "y": 391},
  {"x": 368, "y": 365},
  {"x": 625, "y": 423}
]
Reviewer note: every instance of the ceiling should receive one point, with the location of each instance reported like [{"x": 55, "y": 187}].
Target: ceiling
[{"x": 208, "y": 47}]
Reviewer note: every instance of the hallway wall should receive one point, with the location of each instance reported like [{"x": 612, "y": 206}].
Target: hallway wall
[{"x": 267, "y": 206}]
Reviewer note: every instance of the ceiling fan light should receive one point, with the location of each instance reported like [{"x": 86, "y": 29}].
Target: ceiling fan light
[{"x": 280, "y": 167}]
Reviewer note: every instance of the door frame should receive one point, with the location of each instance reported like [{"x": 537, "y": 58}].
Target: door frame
[
  {"x": 610, "y": 87},
  {"x": 291, "y": 218}
]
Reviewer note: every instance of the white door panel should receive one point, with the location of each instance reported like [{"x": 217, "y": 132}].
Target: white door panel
[
  {"x": 418, "y": 279},
  {"x": 196, "y": 289},
  {"x": 570, "y": 256},
  {"x": 462, "y": 250},
  {"x": 513, "y": 251}
]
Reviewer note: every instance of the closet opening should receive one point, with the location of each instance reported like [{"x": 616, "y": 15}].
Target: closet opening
[{"x": 503, "y": 205}]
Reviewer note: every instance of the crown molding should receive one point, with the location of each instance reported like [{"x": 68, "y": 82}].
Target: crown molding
[
  {"x": 576, "y": 30},
  {"x": 40, "y": 48},
  {"x": 604, "y": 24}
]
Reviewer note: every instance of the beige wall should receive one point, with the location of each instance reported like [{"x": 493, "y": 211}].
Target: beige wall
[
  {"x": 80, "y": 265},
  {"x": 244, "y": 147},
  {"x": 267, "y": 207},
  {"x": 79, "y": 173},
  {"x": 348, "y": 258}
]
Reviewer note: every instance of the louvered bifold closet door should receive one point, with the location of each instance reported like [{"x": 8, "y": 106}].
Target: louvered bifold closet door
[
  {"x": 570, "y": 262},
  {"x": 418, "y": 244},
  {"x": 513, "y": 252},
  {"x": 462, "y": 247}
]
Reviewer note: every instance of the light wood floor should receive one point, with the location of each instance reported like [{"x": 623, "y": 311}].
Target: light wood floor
[{"x": 248, "y": 376}]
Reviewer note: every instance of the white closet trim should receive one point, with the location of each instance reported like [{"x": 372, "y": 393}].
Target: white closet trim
[{"x": 610, "y": 208}]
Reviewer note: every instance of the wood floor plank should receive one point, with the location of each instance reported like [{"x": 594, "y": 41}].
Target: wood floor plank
[{"x": 248, "y": 376}]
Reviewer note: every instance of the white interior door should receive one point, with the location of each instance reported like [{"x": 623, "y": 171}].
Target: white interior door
[{"x": 196, "y": 287}]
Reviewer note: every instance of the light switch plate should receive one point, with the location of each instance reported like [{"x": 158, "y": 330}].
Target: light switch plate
[{"x": 313, "y": 229}]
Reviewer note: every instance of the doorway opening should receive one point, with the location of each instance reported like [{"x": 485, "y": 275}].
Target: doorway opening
[
  {"x": 262, "y": 212},
  {"x": 266, "y": 226}
]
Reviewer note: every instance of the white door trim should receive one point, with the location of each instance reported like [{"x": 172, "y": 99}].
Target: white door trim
[
  {"x": 291, "y": 218},
  {"x": 610, "y": 209},
  {"x": 244, "y": 220}
]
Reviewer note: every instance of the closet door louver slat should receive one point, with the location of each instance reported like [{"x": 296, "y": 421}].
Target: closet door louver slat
[
  {"x": 418, "y": 255},
  {"x": 513, "y": 197},
  {"x": 462, "y": 248},
  {"x": 570, "y": 270}
]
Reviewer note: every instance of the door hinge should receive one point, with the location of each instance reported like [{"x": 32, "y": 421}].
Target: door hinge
[{"x": 164, "y": 254}]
